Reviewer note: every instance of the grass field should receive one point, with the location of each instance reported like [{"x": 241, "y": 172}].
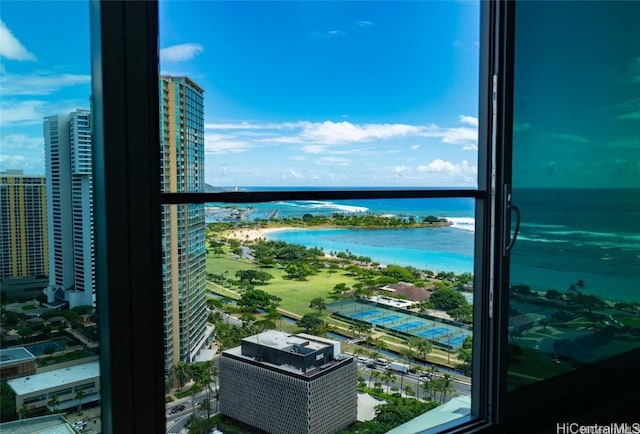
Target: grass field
[{"x": 295, "y": 294}]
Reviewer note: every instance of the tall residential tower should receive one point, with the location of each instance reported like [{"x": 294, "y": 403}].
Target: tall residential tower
[
  {"x": 23, "y": 225},
  {"x": 70, "y": 208},
  {"x": 183, "y": 225}
]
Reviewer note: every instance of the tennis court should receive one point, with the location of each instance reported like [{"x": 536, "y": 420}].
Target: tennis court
[
  {"x": 385, "y": 319},
  {"x": 458, "y": 340},
  {"x": 433, "y": 333},
  {"x": 409, "y": 325},
  {"x": 366, "y": 313},
  {"x": 400, "y": 321}
]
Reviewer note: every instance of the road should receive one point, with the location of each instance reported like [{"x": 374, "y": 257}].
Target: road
[
  {"x": 461, "y": 388},
  {"x": 176, "y": 422}
]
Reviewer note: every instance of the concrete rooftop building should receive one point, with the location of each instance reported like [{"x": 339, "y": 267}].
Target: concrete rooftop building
[{"x": 289, "y": 384}]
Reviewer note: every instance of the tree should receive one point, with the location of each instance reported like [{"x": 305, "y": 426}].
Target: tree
[
  {"x": 311, "y": 322},
  {"x": 374, "y": 375},
  {"x": 361, "y": 382},
  {"x": 205, "y": 406},
  {"x": 446, "y": 387},
  {"x": 298, "y": 270},
  {"x": 263, "y": 276},
  {"x": 447, "y": 299},
  {"x": 388, "y": 377},
  {"x": 182, "y": 373},
  {"x": 246, "y": 276},
  {"x": 22, "y": 411},
  {"x": 255, "y": 298},
  {"x": 318, "y": 303},
  {"x": 79, "y": 395},
  {"x": 274, "y": 315},
  {"x": 553, "y": 294},
  {"x": 339, "y": 289},
  {"x": 53, "y": 403},
  {"x": 462, "y": 314},
  {"x": 408, "y": 390},
  {"x": 424, "y": 347},
  {"x": 7, "y": 403}
]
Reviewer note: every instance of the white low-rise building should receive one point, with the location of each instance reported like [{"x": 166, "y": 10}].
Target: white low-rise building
[{"x": 37, "y": 391}]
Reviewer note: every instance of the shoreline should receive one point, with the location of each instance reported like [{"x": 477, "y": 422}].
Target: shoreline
[{"x": 253, "y": 234}]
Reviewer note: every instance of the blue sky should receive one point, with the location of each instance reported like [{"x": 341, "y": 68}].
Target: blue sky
[{"x": 296, "y": 93}]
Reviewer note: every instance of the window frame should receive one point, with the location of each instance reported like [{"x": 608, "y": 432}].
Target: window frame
[{"x": 128, "y": 202}]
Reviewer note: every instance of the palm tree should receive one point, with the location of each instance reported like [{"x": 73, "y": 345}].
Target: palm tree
[
  {"x": 79, "y": 395},
  {"x": 408, "y": 390},
  {"x": 274, "y": 315},
  {"x": 388, "y": 377},
  {"x": 374, "y": 375},
  {"x": 429, "y": 388},
  {"x": 203, "y": 405},
  {"x": 446, "y": 387},
  {"x": 182, "y": 372},
  {"x": 380, "y": 344},
  {"x": 215, "y": 373},
  {"x": 53, "y": 403},
  {"x": 424, "y": 347},
  {"x": 22, "y": 411},
  {"x": 374, "y": 354}
]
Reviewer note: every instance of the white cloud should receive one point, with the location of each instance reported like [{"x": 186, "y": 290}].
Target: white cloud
[
  {"x": 180, "y": 53},
  {"x": 320, "y": 137},
  {"x": 364, "y": 23},
  {"x": 40, "y": 84},
  {"x": 293, "y": 173},
  {"x": 32, "y": 112},
  {"x": 224, "y": 144},
  {"x": 400, "y": 169},
  {"x": 313, "y": 149},
  {"x": 329, "y": 132},
  {"x": 468, "y": 120},
  {"x": 21, "y": 112},
  {"x": 447, "y": 167},
  {"x": 11, "y": 47},
  {"x": 333, "y": 161},
  {"x": 21, "y": 151}
]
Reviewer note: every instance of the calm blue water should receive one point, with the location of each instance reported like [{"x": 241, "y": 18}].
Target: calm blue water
[
  {"x": 572, "y": 234},
  {"x": 566, "y": 235}
]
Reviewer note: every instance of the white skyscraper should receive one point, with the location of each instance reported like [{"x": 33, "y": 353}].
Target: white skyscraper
[{"x": 70, "y": 208}]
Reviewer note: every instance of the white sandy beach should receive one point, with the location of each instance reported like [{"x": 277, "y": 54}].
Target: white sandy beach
[{"x": 253, "y": 234}]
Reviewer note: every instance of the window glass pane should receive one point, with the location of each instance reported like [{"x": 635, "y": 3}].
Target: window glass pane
[
  {"x": 576, "y": 262},
  {"x": 389, "y": 280},
  {"x": 47, "y": 256},
  {"x": 327, "y": 93},
  {"x": 319, "y": 95}
]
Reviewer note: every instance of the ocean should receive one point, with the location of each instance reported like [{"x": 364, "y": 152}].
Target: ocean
[{"x": 565, "y": 236}]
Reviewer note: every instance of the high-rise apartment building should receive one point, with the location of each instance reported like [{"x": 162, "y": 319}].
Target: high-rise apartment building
[
  {"x": 289, "y": 384},
  {"x": 68, "y": 159},
  {"x": 183, "y": 226},
  {"x": 23, "y": 225}
]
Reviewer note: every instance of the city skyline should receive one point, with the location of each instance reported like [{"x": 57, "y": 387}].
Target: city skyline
[{"x": 334, "y": 94}]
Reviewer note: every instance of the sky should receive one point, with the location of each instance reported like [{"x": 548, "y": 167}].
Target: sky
[{"x": 297, "y": 93}]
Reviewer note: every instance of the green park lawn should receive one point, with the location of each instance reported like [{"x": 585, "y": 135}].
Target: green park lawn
[{"x": 295, "y": 294}]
